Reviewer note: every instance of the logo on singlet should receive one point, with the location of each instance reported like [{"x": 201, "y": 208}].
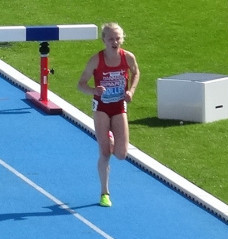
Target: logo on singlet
[{"x": 114, "y": 73}]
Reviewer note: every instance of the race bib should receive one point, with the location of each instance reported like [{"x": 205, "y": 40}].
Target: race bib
[{"x": 114, "y": 83}]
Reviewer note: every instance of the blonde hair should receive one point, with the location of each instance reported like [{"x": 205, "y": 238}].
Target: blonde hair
[{"x": 112, "y": 26}]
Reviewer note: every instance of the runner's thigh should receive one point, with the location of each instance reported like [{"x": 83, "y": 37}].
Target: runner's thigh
[
  {"x": 102, "y": 126},
  {"x": 119, "y": 127}
]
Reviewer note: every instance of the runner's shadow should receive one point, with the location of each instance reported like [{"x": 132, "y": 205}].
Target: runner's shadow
[{"x": 55, "y": 210}]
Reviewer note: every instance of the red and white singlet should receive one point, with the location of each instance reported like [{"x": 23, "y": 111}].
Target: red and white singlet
[{"x": 115, "y": 81}]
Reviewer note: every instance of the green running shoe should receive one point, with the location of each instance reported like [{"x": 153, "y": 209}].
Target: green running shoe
[{"x": 105, "y": 201}]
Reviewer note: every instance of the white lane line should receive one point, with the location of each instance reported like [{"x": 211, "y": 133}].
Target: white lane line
[{"x": 55, "y": 200}]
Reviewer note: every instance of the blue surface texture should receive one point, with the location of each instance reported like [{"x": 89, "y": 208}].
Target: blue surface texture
[{"x": 62, "y": 159}]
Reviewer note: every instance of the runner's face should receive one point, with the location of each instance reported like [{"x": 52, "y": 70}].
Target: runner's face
[{"x": 113, "y": 39}]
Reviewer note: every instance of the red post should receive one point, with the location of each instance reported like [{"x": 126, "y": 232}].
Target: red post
[
  {"x": 44, "y": 78},
  {"x": 44, "y": 71}
]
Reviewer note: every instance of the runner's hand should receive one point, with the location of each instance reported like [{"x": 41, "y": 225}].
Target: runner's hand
[
  {"x": 128, "y": 96},
  {"x": 99, "y": 90}
]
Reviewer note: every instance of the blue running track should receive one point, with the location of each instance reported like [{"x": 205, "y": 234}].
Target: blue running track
[{"x": 49, "y": 186}]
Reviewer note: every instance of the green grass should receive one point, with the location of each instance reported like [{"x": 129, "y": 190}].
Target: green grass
[{"x": 167, "y": 37}]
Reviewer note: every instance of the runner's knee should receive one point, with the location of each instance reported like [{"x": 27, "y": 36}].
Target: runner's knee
[
  {"x": 121, "y": 155},
  {"x": 105, "y": 152}
]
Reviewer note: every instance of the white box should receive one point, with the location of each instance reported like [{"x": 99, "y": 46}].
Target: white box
[{"x": 197, "y": 97}]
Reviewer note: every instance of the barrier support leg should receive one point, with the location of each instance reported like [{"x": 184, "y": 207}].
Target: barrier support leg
[{"x": 41, "y": 100}]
